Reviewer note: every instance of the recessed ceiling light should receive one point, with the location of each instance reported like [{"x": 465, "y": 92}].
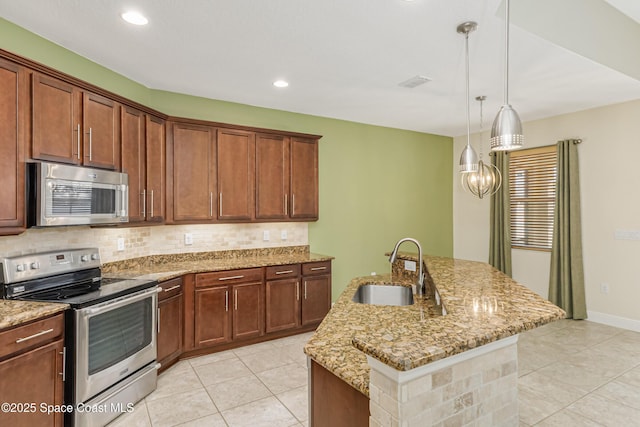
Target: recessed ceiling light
[
  {"x": 280, "y": 83},
  {"x": 135, "y": 18}
]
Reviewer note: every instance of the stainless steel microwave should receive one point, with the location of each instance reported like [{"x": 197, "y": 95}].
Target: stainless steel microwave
[{"x": 72, "y": 195}]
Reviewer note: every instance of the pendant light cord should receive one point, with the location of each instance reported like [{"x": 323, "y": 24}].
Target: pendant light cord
[
  {"x": 506, "y": 60},
  {"x": 466, "y": 47}
]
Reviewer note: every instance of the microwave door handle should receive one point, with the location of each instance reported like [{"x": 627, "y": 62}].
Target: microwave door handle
[{"x": 123, "y": 200}]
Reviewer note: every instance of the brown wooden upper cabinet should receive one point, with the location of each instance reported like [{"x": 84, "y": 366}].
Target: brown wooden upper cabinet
[
  {"x": 14, "y": 98},
  {"x": 236, "y": 170},
  {"x": 286, "y": 178},
  {"x": 191, "y": 173},
  {"x": 73, "y": 126},
  {"x": 143, "y": 159},
  {"x": 304, "y": 179},
  {"x": 272, "y": 177}
]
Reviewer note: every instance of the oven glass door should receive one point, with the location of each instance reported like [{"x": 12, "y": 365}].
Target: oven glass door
[{"x": 114, "y": 339}]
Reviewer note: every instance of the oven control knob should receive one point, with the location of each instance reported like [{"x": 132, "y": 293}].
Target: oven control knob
[
  {"x": 84, "y": 258},
  {"x": 94, "y": 256},
  {"x": 19, "y": 267},
  {"x": 35, "y": 265}
]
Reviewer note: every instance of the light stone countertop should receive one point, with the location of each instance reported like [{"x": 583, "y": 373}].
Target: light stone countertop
[
  {"x": 14, "y": 313},
  {"x": 482, "y": 304}
]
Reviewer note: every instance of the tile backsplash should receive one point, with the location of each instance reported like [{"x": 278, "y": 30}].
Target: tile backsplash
[{"x": 155, "y": 240}]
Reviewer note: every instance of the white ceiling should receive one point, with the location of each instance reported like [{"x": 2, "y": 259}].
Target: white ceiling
[{"x": 345, "y": 58}]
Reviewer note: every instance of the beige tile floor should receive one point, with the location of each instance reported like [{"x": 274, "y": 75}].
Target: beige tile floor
[{"x": 572, "y": 373}]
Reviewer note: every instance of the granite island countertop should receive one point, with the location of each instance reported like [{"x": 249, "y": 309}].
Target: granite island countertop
[
  {"x": 166, "y": 267},
  {"x": 482, "y": 305},
  {"x": 14, "y": 313}
]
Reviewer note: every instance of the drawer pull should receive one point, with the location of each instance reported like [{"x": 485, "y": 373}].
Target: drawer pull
[
  {"x": 284, "y": 272},
  {"x": 318, "y": 268},
  {"x": 19, "y": 340},
  {"x": 172, "y": 288},
  {"x": 230, "y": 278}
]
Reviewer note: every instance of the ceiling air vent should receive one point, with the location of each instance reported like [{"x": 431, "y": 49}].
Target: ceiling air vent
[{"x": 414, "y": 81}]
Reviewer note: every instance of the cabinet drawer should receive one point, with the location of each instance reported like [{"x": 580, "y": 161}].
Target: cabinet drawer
[
  {"x": 31, "y": 335},
  {"x": 228, "y": 277},
  {"x": 283, "y": 271},
  {"x": 320, "y": 267},
  {"x": 170, "y": 288}
]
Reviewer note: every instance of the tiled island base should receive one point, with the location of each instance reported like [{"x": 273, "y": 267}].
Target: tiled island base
[{"x": 476, "y": 388}]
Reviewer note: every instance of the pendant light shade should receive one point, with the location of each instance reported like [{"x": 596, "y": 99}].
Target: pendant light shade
[
  {"x": 469, "y": 158},
  {"x": 487, "y": 179},
  {"x": 506, "y": 132}
]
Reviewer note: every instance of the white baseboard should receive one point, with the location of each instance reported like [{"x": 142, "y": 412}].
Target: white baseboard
[{"x": 611, "y": 320}]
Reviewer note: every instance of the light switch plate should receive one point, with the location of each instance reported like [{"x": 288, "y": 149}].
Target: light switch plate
[{"x": 188, "y": 239}]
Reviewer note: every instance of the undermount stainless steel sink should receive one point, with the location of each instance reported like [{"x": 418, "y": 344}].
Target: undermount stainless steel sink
[{"x": 383, "y": 295}]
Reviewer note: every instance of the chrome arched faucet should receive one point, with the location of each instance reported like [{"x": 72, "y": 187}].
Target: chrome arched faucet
[{"x": 394, "y": 254}]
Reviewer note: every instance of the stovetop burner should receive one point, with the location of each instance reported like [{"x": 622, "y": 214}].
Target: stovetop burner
[{"x": 62, "y": 294}]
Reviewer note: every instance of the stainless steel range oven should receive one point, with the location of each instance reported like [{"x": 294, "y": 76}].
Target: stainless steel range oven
[{"x": 110, "y": 331}]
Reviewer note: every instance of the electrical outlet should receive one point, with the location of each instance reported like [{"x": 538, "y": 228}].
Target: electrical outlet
[
  {"x": 188, "y": 239},
  {"x": 265, "y": 235},
  {"x": 283, "y": 235},
  {"x": 410, "y": 265},
  {"x": 121, "y": 243},
  {"x": 604, "y": 288}
]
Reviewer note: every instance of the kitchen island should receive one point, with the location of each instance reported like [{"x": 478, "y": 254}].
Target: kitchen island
[{"x": 416, "y": 367}]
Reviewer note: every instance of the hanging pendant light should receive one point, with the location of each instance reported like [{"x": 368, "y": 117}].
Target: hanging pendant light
[
  {"x": 506, "y": 132},
  {"x": 469, "y": 158},
  {"x": 487, "y": 179}
]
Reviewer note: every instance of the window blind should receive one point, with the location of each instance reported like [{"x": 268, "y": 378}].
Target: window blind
[{"x": 532, "y": 180}]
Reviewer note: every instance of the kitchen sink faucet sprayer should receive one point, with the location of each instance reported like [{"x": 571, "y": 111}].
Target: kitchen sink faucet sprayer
[{"x": 420, "y": 283}]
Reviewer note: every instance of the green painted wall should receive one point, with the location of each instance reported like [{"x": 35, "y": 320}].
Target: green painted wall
[{"x": 377, "y": 184}]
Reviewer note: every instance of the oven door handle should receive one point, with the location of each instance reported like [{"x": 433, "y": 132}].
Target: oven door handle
[{"x": 118, "y": 302}]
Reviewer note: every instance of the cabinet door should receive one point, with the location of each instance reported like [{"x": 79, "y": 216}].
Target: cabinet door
[
  {"x": 236, "y": 169},
  {"x": 101, "y": 128},
  {"x": 13, "y": 110},
  {"x": 156, "y": 160},
  {"x": 304, "y": 178},
  {"x": 272, "y": 176},
  {"x": 134, "y": 161},
  {"x": 169, "y": 328},
  {"x": 56, "y": 116},
  {"x": 33, "y": 377},
  {"x": 316, "y": 298},
  {"x": 191, "y": 194},
  {"x": 247, "y": 310},
  {"x": 282, "y": 304},
  {"x": 212, "y": 316}
]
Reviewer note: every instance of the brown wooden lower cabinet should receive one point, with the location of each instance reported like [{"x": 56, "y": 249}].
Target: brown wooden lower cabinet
[
  {"x": 170, "y": 322},
  {"x": 283, "y": 304},
  {"x": 31, "y": 373},
  {"x": 335, "y": 403}
]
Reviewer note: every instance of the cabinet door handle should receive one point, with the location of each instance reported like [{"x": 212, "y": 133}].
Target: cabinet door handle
[
  {"x": 64, "y": 364},
  {"x": 19, "y": 340},
  {"x": 211, "y": 204},
  {"x": 235, "y": 300},
  {"x": 286, "y": 207},
  {"x": 90, "y": 144},
  {"x": 318, "y": 268},
  {"x": 226, "y": 300},
  {"x": 293, "y": 204},
  {"x": 78, "y": 141},
  {"x": 284, "y": 272},
  {"x": 151, "y": 215},
  {"x": 230, "y": 277},
  {"x": 158, "y": 320},
  {"x": 297, "y": 291},
  {"x": 144, "y": 203},
  {"x": 305, "y": 289},
  {"x": 171, "y": 288},
  {"x": 220, "y": 206}
]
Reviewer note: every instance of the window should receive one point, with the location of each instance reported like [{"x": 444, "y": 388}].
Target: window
[{"x": 532, "y": 188}]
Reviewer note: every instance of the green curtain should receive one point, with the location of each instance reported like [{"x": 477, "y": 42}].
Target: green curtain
[
  {"x": 566, "y": 281},
  {"x": 500, "y": 227}
]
